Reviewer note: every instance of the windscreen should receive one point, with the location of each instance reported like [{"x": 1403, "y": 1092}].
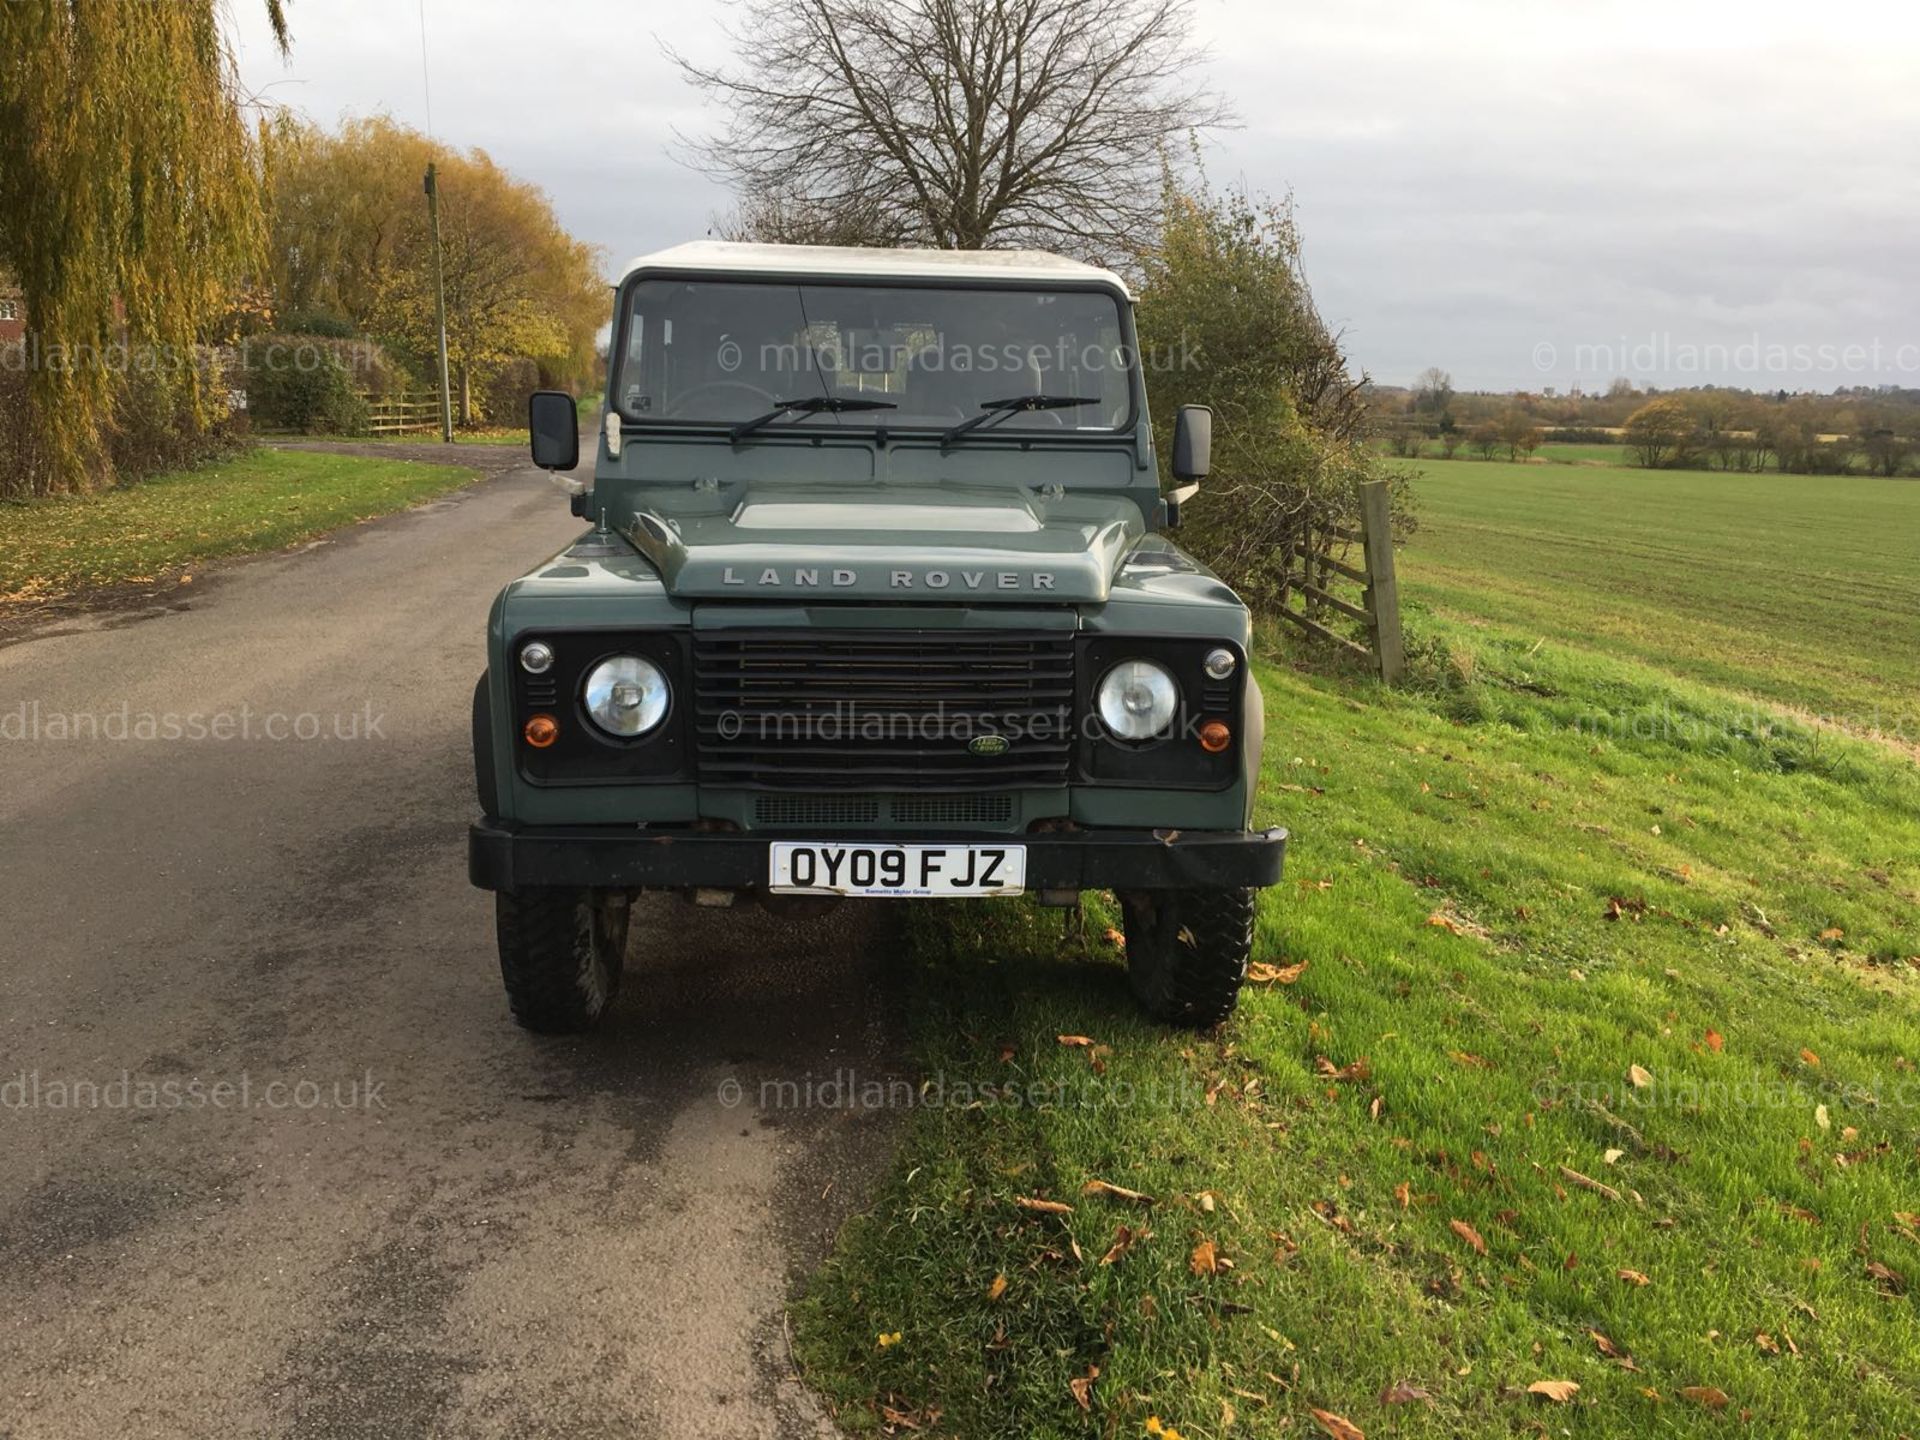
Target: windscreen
[{"x": 728, "y": 352}]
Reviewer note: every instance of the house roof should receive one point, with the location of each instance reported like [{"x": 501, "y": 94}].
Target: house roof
[{"x": 854, "y": 262}]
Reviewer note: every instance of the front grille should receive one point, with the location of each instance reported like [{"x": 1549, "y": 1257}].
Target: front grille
[{"x": 882, "y": 709}]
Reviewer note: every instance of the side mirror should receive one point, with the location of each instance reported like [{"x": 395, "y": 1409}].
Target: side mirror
[
  {"x": 554, "y": 423},
  {"x": 1192, "y": 442}
]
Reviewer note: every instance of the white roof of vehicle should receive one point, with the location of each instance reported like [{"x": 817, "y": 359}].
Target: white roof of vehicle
[{"x": 843, "y": 261}]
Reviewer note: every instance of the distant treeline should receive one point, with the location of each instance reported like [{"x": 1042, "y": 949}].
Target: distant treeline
[{"x": 1862, "y": 429}]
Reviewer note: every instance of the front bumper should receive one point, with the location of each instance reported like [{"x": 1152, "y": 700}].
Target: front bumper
[{"x": 504, "y": 856}]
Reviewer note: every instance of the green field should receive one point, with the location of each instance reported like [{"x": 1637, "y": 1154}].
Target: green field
[
  {"x": 261, "y": 500},
  {"x": 1600, "y": 1068},
  {"x": 1584, "y": 455},
  {"x": 1800, "y": 589}
]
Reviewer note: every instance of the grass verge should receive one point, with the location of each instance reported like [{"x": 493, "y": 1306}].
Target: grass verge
[
  {"x": 1588, "y": 1055},
  {"x": 259, "y": 500},
  {"x": 501, "y": 435}
]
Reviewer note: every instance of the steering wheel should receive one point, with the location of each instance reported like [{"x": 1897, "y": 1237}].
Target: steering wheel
[{"x": 686, "y": 397}]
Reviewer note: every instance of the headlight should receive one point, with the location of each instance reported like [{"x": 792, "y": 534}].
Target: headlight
[
  {"x": 1137, "y": 699},
  {"x": 626, "y": 696}
]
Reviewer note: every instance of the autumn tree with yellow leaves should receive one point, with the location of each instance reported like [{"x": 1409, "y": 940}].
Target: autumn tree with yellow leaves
[{"x": 349, "y": 246}]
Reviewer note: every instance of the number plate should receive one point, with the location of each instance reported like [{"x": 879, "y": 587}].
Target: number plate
[{"x": 828, "y": 868}]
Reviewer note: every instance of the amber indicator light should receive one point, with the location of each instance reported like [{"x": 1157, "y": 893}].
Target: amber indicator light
[
  {"x": 541, "y": 731},
  {"x": 1215, "y": 736}
]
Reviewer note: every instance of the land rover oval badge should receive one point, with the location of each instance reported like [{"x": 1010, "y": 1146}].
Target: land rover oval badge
[{"x": 987, "y": 745}]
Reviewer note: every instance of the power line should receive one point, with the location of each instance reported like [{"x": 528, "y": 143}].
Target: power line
[{"x": 426, "y": 82}]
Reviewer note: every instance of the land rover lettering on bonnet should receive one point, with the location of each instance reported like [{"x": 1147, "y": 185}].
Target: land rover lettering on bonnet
[{"x": 877, "y": 599}]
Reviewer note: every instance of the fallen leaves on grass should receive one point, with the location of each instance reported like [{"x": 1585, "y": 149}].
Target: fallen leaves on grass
[
  {"x": 1327, "y": 1211},
  {"x": 1164, "y": 1432},
  {"x": 1710, "y": 1396},
  {"x": 1891, "y": 1280},
  {"x": 1558, "y": 1391},
  {"x": 1115, "y": 1192},
  {"x": 1082, "y": 1387},
  {"x": 1809, "y": 1058},
  {"x": 1074, "y": 1039},
  {"x": 1206, "y": 1259},
  {"x": 1261, "y": 973},
  {"x": 998, "y": 1288},
  {"x": 1353, "y": 1070},
  {"x": 1404, "y": 1393},
  {"x": 1715, "y": 1041},
  {"x": 1338, "y": 1426},
  {"x": 889, "y": 1337},
  {"x": 1469, "y": 1061},
  {"x": 1587, "y": 1182},
  {"x": 1042, "y": 1207},
  {"x": 1634, "y": 1277},
  {"x": 1640, "y": 1076},
  {"x": 1125, "y": 1237},
  {"x": 1403, "y": 1192},
  {"x": 1467, "y": 1233}
]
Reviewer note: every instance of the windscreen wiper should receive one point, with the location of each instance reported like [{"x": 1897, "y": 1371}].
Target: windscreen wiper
[
  {"x": 995, "y": 410},
  {"x": 807, "y": 405}
]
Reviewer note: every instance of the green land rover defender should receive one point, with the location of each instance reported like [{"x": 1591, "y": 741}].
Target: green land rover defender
[{"x": 878, "y": 600}]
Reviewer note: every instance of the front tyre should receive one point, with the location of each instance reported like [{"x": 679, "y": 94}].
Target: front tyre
[
  {"x": 561, "y": 953},
  {"x": 1187, "y": 952}
]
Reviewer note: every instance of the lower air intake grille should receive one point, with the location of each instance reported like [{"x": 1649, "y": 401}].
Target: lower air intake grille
[
  {"x": 953, "y": 809},
  {"x": 816, "y": 810},
  {"x": 883, "y": 710}
]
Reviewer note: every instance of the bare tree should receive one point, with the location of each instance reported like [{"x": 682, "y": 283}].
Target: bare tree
[
  {"x": 955, "y": 123},
  {"x": 784, "y": 218},
  {"x": 1432, "y": 390}
]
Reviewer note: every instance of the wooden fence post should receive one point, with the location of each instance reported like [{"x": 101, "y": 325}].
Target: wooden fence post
[{"x": 1383, "y": 590}]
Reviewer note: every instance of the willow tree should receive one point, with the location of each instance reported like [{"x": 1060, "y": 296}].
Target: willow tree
[{"x": 129, "y": 202}]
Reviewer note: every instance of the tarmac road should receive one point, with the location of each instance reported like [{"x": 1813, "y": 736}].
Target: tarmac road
[{"x": 401, "y": 1215}]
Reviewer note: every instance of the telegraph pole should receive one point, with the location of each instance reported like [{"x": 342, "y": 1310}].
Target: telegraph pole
[{"x": 440, "y": 307}]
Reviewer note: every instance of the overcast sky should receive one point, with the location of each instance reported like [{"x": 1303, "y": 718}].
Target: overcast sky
[{"x": 1525, "y": 193}]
